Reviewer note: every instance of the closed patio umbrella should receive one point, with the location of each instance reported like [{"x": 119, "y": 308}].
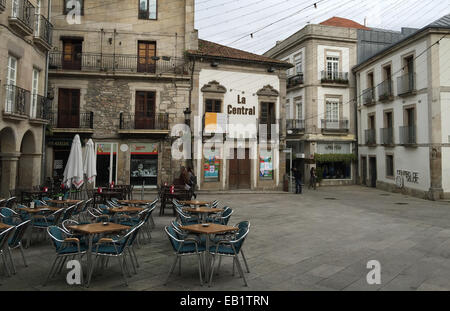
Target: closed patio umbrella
[
  {"x": 73, "y": 173},
  {"x": 90, "y": 169}
]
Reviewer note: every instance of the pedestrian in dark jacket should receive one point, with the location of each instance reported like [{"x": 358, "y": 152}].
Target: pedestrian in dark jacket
[
  {"x": 298, "y": 180},
  {"x": 192, "y": 181}
]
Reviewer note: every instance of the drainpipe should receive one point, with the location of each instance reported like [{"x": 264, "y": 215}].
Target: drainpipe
[
  {"x": 43, "y": 158},
  {"x": 190, "y": 109}
]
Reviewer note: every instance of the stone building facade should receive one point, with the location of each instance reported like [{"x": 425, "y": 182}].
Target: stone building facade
[
  {"x": 320, "y": 111},
  {"x": 118, "y": 76},
  {"x": 25, "y": 36}
]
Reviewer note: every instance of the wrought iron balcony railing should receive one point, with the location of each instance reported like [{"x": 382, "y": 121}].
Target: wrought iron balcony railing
[
  {"x": 408, "y": 135},
  {"x": 385, "y": 90},
  {"x": 118, "y": 63},
  {"x": 17, "y": 100},
  {"x": 2, "y": 5},
  {"x": 295, "y": 125},
  {"x": 368, "y": 96},
  {"x": 334, "y": 77},
  {"x": 335, "y": 124},
  {"x": 387, "y": 136},
  {"x": 40, "y": 107},
  {"x": 406, "y": 84},
  {"x": 23, "y": 11},
  {"x": 142, "y": 121},
  {"x": 82, "y": 120},
  {"x": 295, "y": 80},
  {"x": 43, "y": 29},
  {"x": 370, "y": 137}
]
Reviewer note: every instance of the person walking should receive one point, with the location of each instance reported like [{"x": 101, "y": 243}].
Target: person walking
[
  {"x": 312, "y": 178},
  {"x": 298, "y": 180},
  {"x": 192, "y": 181}
]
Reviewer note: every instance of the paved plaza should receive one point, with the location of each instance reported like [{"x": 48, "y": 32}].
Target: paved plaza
[{"x": 320, "y": 240}]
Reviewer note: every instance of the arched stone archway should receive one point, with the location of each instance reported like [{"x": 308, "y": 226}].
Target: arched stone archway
[
  {"x": 29, "y": 162},
  {"x": 8, "y": 160}
]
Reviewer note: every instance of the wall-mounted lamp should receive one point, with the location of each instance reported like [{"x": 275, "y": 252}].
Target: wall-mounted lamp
[
  {"x": 155, "y": 58},
  {"x": 110, "y": 40},
  {"x": 271, "y": 69},
  {"x": 214, "y": 64},
  {"x": 187, "y": 116}
]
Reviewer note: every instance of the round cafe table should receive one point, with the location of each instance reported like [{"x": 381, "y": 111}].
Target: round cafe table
[
  {"x": 203, "y": 211},
  {"x": 195, "y": 202}
]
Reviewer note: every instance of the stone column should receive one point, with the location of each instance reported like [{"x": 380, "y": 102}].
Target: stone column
[
  {"x": 9, "y": 163},
  {"x": 29, "y": 170}
]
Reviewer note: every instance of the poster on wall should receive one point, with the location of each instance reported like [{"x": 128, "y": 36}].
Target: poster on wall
[
  {"x": 211, "y": 166},
  {"x": 144, "y": 164},
  {"x": 265, "y": 164}
]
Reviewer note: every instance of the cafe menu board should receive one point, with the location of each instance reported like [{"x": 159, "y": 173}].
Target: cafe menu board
[
  {"x": 211, "y": 166},
  {"x": 265, "y": 164}
]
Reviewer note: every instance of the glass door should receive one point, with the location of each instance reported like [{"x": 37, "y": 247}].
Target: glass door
[{"x": 106, "y": 164}]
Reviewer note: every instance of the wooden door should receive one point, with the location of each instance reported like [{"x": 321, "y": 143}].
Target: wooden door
[
  {"x": 72, "y": 54},
  {"x": 146, "y": 52},
  {"x": 145, "y": 110},
  {"x": 239, "y": 171},
  {"x": 68, "y": 108}
]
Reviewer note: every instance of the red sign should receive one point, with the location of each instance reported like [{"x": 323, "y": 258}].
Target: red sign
[{"x": 99, "y": 190}]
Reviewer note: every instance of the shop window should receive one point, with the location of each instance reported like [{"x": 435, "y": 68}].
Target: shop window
[
  {"x": 144, "y": 164},
  {"x": 334, "y": 170},
  {"x": 265, "y": 164},
  {"x": 211, "y": 165}
]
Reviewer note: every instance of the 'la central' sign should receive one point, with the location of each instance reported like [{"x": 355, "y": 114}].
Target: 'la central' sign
[{"x": 241, "y": 110}]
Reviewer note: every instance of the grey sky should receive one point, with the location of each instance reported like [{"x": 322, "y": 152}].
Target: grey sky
[{"x": 224, "y": 21}]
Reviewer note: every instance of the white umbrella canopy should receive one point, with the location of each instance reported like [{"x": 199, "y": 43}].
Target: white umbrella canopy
[
  {"x": 90, "y": 168},
  {"x": 73, "y": 173}
]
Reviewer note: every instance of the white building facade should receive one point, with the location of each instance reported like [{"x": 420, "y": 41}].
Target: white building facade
[
  {"x": 403, "y": 115},
  {"x": 234, "y": 97}
]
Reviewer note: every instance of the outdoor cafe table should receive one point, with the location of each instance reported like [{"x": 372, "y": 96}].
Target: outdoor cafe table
[
  {"x": 33, "y": 194},
  {"x": 195, "y": 202},
  {"x": 207, "y": 230},
  {"x": 100, "y": 197},
  {"x": 203, "y": 211},
  {"x": 63, "y": 202},
  {"x": 4, "y": 226},
  {"x": 96, "y": 228},
  {"x": 39, "y": 209},
  {"x": 134, "y": 202}
]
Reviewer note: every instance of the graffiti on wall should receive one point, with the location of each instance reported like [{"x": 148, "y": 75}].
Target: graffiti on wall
[{"x": 410, "y": 177}]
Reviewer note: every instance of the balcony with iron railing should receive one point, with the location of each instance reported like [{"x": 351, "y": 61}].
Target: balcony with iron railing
[
  {"x": 370, "y": 137},
  {"x": 408, "y": 135},
  {"x": 334, "y": 77},
  {"x": 2, "y": 5},
  {"x": 22, "y": 16},
  {"x": 40, "y": 109},
  {"x": 66, "y": 122},
  {"x": 17, "y": 102},
  {"x": 144, "y": 123},
  {"x": 268, "y": 129},
  {"x": 334, "y": 126},
  {"x": 43, "y": 33},
  {"x": 118, "y": 63},
  {"x": 295, "y": 126},
  {"x": 385, "y": 90},
  {"x": 368, "y": 96},
  {"x": 295, "y": 80},
  {"x": 387, "y": 136},
  {"x": 406, "y": 84}
]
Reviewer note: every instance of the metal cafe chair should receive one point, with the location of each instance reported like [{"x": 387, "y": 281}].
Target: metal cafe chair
[
  {"x": 4, "y": 250},
  {"x": 65, "y": 247},
  {"x": 230, "y": 248},
  {"x": 16, "y": 242},
  {"x": 184, "y": 247},
  {"x": 110, "y": 247}
]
